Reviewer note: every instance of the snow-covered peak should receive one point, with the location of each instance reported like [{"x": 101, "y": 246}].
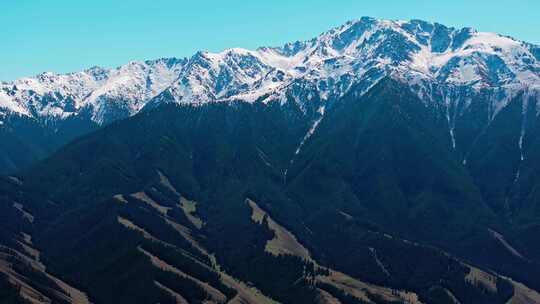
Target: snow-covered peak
[
  {"x": 61, "y": 95},
  {"x": 133, "y": 84},
  {"x": 357, "y": 53}
]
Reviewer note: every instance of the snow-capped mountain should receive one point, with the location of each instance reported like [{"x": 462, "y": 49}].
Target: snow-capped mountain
[
  {"x": 382, "y": 151},
  {"x": 50, "y": 95},
  {"x": 437, "y": 61}
]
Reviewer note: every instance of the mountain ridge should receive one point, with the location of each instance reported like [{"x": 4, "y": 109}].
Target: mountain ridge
[{"x": 361, "y": 50}]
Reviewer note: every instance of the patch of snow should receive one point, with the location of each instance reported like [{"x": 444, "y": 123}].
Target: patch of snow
[
  {"x": 311, "y": 130},
  {"x": 451, "y": 125},
  {"x": 379, "y": 262},
  {"x": 524, "y": 106},
  {"x": 499, "y": 237}
]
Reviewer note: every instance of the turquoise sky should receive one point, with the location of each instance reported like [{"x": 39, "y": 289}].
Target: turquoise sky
[{"x": 64, "y": 36}]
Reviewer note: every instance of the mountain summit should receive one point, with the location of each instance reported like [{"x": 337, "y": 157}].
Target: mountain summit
[{"x": 362, "y": 51}]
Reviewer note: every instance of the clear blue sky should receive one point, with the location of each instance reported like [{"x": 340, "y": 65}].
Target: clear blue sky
[{"x": 70, "y": 35}]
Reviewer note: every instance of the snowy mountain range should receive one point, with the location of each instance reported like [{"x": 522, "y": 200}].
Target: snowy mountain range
[
  {"x": 440, "y": 63},
  {"x": 380, "y": 162}
]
